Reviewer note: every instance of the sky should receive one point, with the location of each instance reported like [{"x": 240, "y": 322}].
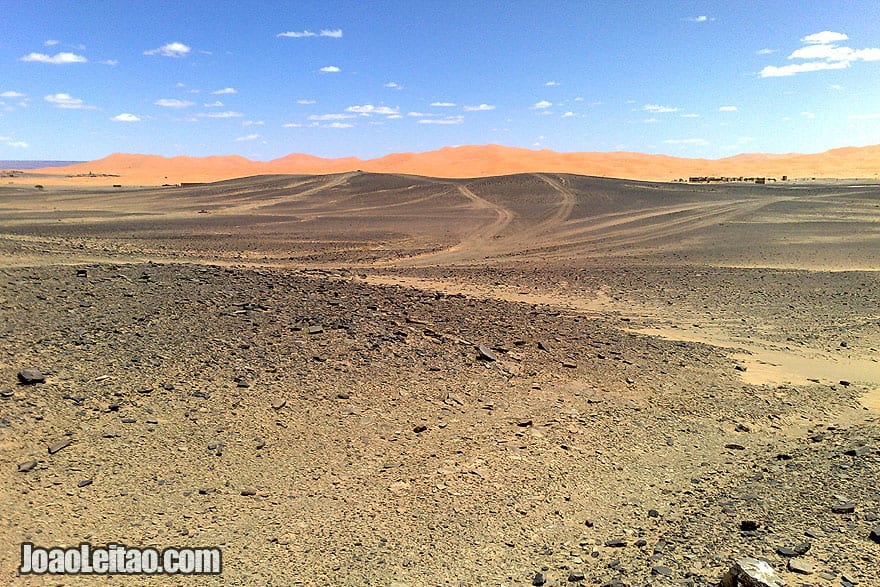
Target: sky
[{"x": 263, "y": 79}]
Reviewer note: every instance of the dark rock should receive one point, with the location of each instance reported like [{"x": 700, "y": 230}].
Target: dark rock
[
  {"x": 748, "y": 525},
  {"x": 538, "y": 579},
  {"x": 802, "y": 548},
  {"x": 543, "y": 347},
  {"x": 843, "y": 508},
  {"x": 248, "y": 492},
  {"x": 84, "y": 483},
  {"x": 661, "y": 570},
  {"x": 741, "y": 368},
  {"x": 575, "y": 576},
  {"x": 615, "y": 543},
  {"x": 734, "y": 446},
  {"x": 874, "y": 535},
  {"x": 786, "y": 552},
  {"x": 27, "y": 466},
  {"x": 420, "y": 428},
  {"x": 315, "y": 329},
  {"x": 31, "y": 376},
  {"x": 844, "y": 383},
  {"x": 653, "y": 514},
  {"x": 569, "y": 365},
  {"x": 82, "y": 273},
  {"x": 859, "y": 451}
]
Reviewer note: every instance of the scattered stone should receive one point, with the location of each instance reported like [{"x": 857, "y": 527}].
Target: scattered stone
[
  {"x": 801, "y": 566},
  {"x": 748, "y": 525},
  {"x": 569, "y": 365},
  {"x": 27, "y": 466},
  {"x": 315, "y": 329},
  {"x": 615, "y": 543},
  {"x": 844, "y": 383},
  {"x": 875, "y": 534},
  {"x": 734, "y": 446},
  {"x": 525, "y": 423},
  {"x": 248, "y": 492},
  {"x": 31, "y": 376},
  {"x": 750, "y": 572},
  {"x": 859, "y": 451},
  {"x": 53, "y": 448},
  {"x": 279, "y": 403},
  {"x": 653, "y": 513},
  {"x": 84, "y": 483},
  {"x": 82, "y": 273},
  {"x": 786, "y": 552},
  {"x": 484, "y": 353},
  {"x": 741, "y": 368},
  {"x": 843, "y": 508},
  {"x": 420, "y": 428},
  {"x": 538, "y": 579},
  {"x": 661, "y": 570},
  {"x": 575, "y": 576},
  {"x": 542, "y": 346}
]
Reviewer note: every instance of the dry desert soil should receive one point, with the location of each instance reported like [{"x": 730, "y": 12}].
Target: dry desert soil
[{"x": 380, "y": 379}]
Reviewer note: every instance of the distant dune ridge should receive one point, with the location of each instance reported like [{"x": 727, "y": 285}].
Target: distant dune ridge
[{"x": 483, "y": 161}]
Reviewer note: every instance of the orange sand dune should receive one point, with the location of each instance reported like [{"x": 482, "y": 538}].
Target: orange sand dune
[{"x": 474, "y": 161}]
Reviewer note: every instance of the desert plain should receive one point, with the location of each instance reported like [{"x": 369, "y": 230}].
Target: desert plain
[{"x": 364, "y": 378}]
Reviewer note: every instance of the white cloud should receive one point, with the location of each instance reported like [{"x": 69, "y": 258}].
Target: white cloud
[
  {"x": 51, "y": 43},
  {"x": 765, "y": 51},
  {"x": 225, "y": 91},
  {"x": 338, "y": 125},
  {"x": 394, "y": 117},
  {"x": 330, "y": 69},
  {"x": 67, "y": 102},
  {"x": 552, "y": 84},
  {"x": 874, "y": 116},
  {"x": 252, "y": 137},
  {"x": 701, "y": 18},
  {"x": 11, "y": 94},
  {"x": 214, "y": 104},
  {"x": 126, "y": 117},
  {"x": 658, "y": 109},
  {"x": 824, "y": 38},
  {"x": 57, "y": 59},
  {"x": 173, "y": 103},
  {"x": 10, "y": 142},
  {"x": 690, "y": 115},
  {"x": 252, "y": 123},
  {"x": 541, "y": 105},
  {"x": 787, "y": 70},
  {"x": 701, "y": 142},
  {"x": 727, "y": 109},
  {"x": 568, "y": 115},
  {"x": 443, "y": 104},
  {"x": 331, "y": 116},
  {"x": 368, "y": 109},
  {"x": 821, "y": 52},
  {"x": 175, "y": 49},
  {"x": 227, "y": 114},
  {"x": 651, "y": 120},
  {"x": 446, "y": 120},
  {"x": 394, "y": 86},
  {"x": 333, "y": 34},
  {"x": 291, "y": 125},
  {"x": 480, "y": 108},
  {"x": 808, "y": 115},
  {"x": 110, "y": 62},
  {"x": 306, "y": 102}
]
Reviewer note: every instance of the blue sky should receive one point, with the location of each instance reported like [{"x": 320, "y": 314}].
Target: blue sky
[{"x": 81, "y": 80}]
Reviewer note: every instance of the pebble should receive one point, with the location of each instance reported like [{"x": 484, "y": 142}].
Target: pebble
[
  {"x": 615, "y": 543},
  {"x": 801, "y": 566},
  {"x": 843, "y": 508},
  {"x": 84, "y": 483},
  {"x": 26, "y": 466},
  {"x": 31, "y": 376},
  {"x": 538, "y": 579},
  {"x": 484, "y": 353},
  {"x": 874, "y": 535},
  {"x": 575, "y": 576},
  {"x": 53, "y": 448}
]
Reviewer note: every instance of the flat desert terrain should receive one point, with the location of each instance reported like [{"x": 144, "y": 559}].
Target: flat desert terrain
[{"x": 382, "y": 379}]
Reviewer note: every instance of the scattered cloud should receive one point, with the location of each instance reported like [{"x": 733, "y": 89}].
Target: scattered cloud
[
  {"x": 306, "y": 102},
  {"x": 67, "y": 102},
  {"x": 394, "y": 86},
  {"x": 227, "y": 114},
  {"x": 110, "y": 62},
  {"x": 728, "y": 109},
  {"x": 333, "y": 34},
  {"x": 173, "y": 103},
  {"x": 330, "y": 116},
  {"x": 368, "y": 109},
  {"x": 10, "y": 142},
  {"x": 765, "y": 51},
  {"x": 808, "y": 115},
  {"x": 657, "y": 109},
  {"x": 837, "y": 87},
  {"x": 700, "y": 142},
  {"x": 568, "y": 115},
  {"x": 291, "y": 125},
  {"x": 330, "y": 69},
  {"x": 252, "y": 123},
  {"x": 395, "y": 117},
  {"x": 701, "y": 18},
  {"x": 11, "y": 94},
  {"x": 651, "y": 120},
  {"x": 874, "y": 116},
  {"x": 338, "y": 125},
  {"x": 446, "y": 120},
  {"x": 541, "y": 105},
  {"x": 690, "y": 115},
  {"x": 225, "y": 91},
  {"x": 552, "y": 84},
  {"x": 821, "y": 51},
  {"x": 175, "y": 49},
  {"x": 51, "y": 43},
  {"x": 480, "y": 108},
  {"x": 126, "y": 117},
  {"x": 443, "y": 104},
  {"x": 252, "y": 137},
  {"x": 215, "y": 104},
  {"x": 57, "y": 59}
]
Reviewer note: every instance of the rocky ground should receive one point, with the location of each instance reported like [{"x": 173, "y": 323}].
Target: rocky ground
[{"x": 326, "y": 431}]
